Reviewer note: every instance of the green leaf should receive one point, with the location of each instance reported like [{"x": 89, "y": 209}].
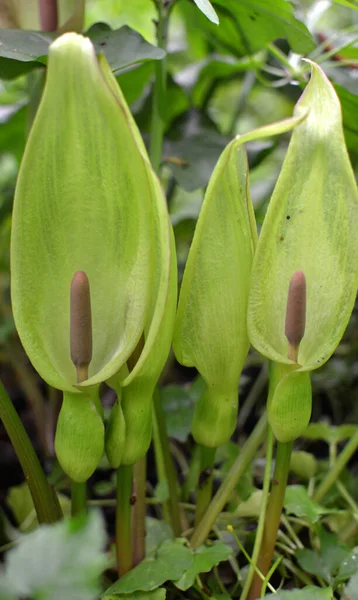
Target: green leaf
[
  {"x": 311, "y": 225},
  {"x": 154, "y": 595},
  {"x": 351, "y": 590},
  {"x": 178, "y": 406},
  {"x": 298, "y": 503},
  {"x": 247, "y": 26},
  {"x": 348, "y": 567},
  {"x": 207, "y": 9},
  {"x": 122, "y": 47},
  {"x": 66, "y": 162},
  {"x": 64, "y": 560},
  {"x": 157, "y": 532},
  {"x": 313, "y": 563},
  {"x": 329, "y": 433},
  {"x": 22, "y": 51},
  {"x": 349, "y": 103},
  {"x": 310, "y": 592},
  {"x": 169, "y": 564},
  {"x": 205, "y": 558}
]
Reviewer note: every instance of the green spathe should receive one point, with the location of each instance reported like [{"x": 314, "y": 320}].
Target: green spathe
[
  {"x": 311, "y": 225},
  {"x": 86, "y": 199},
  {"x": 210, "y": 329}
]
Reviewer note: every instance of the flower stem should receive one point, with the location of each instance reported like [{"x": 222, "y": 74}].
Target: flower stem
[
  {"x": 123, "y": 520},
  {"x": 223, "y": 494},
  {"x": 139, "y": 510},
  {"x": 78, "y": 498},
  {"x": 262, "y": 518},
  {"x": 159, "y": 91},
  {"x": 205, "y": 483},
  {"x": 44, "y": 497},
  {"x": 273, "y": 515},
  {"x": 166, "y": 466},
  {"x": 337, "y": 468}
]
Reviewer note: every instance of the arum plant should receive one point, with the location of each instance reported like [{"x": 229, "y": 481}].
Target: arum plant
[
  {"x": 92, "y": 255},
  {"x": 304, "y": 277},
  {"x": 211, "y": 326}
]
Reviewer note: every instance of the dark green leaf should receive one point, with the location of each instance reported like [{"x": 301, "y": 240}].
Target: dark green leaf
[
  {"x": 179, "y": 409},
  {"x": 21, "y": 51},
  {"x": 332, "y": 551},
  {"x": 348, "y": 567},
  {"x": 169, "y": 564},
  {"x": 298, "y": 503},
  {"x": 123, "y": 47},
  {"x": 309, "y": 592},
  {"x": 247, "y": 26},
  {"x": 205, "y": 558},
  {"x": 157, "y": 532},
  {"x": 349, "y": 103},
  {"x": 313, "y": 563},
  {"x": 155, "y": 595}
]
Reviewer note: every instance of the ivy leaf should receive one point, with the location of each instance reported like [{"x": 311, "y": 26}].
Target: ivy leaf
[
  {"x": 169, "y": 564},
  {"x": 207, "y": 9},
  {"x": 205, "y": 558}
]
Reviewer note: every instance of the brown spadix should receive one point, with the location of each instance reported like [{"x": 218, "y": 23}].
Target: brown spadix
[
  {"x": 80, "y": 324},
  {"x": 295, "y": 314}
]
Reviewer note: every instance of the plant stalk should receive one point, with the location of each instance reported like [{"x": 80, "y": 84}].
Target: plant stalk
[
  {"x": 273, "y": 515},
  {"x": 262, "y": 518},
  {"x": 159, "y": 91},
  {"x": 139, "y": 511},
  {"x": 223, "y": 494},
  {"x": 205, "y": 482},
  {"x": 78, "y": 498},
  {"x": 162, "y": 450},
  {"x": 335, "y": 471},
  {"x": 123, "y": 520},
  {"x": 45, "y": 499}
]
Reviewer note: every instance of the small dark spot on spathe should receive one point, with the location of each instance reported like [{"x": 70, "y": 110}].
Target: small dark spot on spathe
[
  {"x": 253, "y": 17},
  {"x": 102, "y": 43},
  {"x": 282, "y": 238},
  {"x": 288, "y": 217}
]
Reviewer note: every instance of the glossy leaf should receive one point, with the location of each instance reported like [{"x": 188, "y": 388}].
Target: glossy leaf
[
  {"x": 311, "y": 225},
  {"x": 85, "y": 194},
  {"x": 207, "y": 9}
]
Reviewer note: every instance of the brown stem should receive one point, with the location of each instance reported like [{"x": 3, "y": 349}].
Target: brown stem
[{"x": 48, "y": 15}]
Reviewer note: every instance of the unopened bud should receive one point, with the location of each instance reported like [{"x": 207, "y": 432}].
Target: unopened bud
[
  {"x": 80, "y": 324},
  {"x": 295, "y": 314}
]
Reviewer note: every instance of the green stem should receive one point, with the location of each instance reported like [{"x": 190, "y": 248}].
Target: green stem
[
  {"x": 261, "y": 523},
  {"x": 193, "y": 475},
  {"x": 159, "y": 92},
  {"x": 123, "y": 520},
  {"x": 273, "y": 515},
  {"x": 223, "y": 494},
  {"x": 44, "y": 497},
  {"x": 337, "y": 468},
  {"x": 166, "y": 466},
  {"x": 78, "y": 498},
  {"x": 139, "y": 510},
  {"x": 205, "y": 483}
]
